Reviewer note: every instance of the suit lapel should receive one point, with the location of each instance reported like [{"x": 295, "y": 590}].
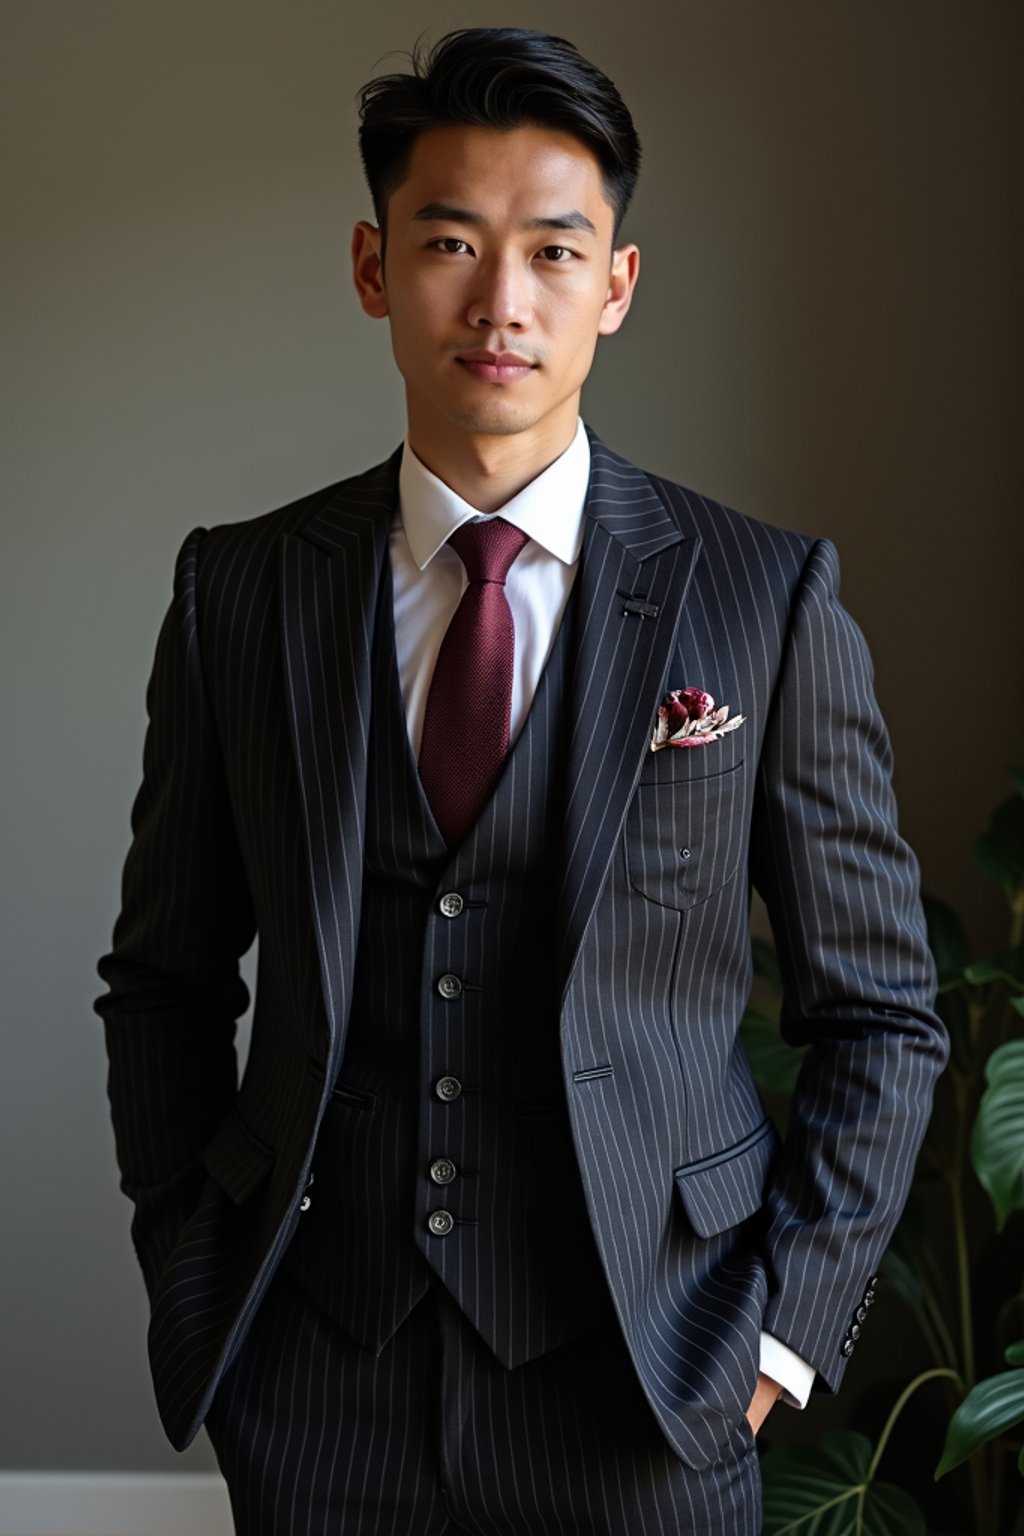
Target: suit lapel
[
  {"x": 635, "y": 567},
  {"x": 634, "y": 553},
  {"x": 330, "y": 578}
]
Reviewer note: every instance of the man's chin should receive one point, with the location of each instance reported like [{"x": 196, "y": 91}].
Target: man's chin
[
  {"x": 500, "y": 419},
  {"x": 475, "y": 426}
]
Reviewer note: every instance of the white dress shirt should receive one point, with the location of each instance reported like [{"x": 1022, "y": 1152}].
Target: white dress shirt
[{"x": 429, "y": 580}]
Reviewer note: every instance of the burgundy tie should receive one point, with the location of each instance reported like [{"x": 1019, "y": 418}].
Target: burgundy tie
[{"x": 469, "y": 703}]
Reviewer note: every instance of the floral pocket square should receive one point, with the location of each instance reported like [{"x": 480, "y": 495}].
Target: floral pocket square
[{"x": 688, "y": 718}]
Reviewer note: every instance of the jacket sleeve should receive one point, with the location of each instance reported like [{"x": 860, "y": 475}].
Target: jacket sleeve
[
  {"x": 841, "y": 887},
  {"x": 175, "y": 991}
]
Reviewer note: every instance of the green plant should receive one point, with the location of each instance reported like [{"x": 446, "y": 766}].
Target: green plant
[{"x": 975, "y": 1143}]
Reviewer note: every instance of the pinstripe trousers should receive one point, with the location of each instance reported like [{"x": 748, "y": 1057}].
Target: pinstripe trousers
[{"x": 315, "y": 1435}]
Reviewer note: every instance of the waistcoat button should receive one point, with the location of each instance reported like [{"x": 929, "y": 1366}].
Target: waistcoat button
[
  {"x": 451, "y": 904},
  {"x": 442, "y": 1170},
  {"x": 448, "y": 1088},
  {"x": 449, "y": 986},
  {"x": 440, "y": 1223}
]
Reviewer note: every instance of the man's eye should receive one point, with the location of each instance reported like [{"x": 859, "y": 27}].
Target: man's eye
[
  {"x": 559, "y": 253},
  {"x": 450, "y": 245}
]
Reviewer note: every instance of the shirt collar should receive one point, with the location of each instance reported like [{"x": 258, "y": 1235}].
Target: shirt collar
[{"x": 549, "y": 509}]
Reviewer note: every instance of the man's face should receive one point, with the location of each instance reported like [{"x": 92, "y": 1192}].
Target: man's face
[{"x": 499, "y": 277}]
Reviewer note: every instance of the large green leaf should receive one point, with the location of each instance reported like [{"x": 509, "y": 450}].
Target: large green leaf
[
  {"x": 952, "y": 1008},
  {"x": 947, "y": 941},
  {"x": 1008, "y": 967},
  {"x": 823, "y": 1490},
  {"x": 1000, "y": 849},
  {"x": 911, "y": 1269},
  {"x": 774, "y": 1063},
  {"x": 989, "y": 1409},
  {"x": 903, "y": 1266},
  {"x": 997, "y": 1142},
  {"x": 902, "y": 1275}
]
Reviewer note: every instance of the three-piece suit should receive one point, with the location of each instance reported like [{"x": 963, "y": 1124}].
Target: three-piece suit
[{"x": 508, "y": 1074}]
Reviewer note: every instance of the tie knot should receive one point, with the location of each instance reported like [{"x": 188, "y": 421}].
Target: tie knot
[{"x": 487, "y": 549}]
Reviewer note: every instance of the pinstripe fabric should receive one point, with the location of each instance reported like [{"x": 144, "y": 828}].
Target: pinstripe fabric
[
  {"x": 520, "y": 1260},
  {"x": 252, "y": 814},
  {"x": 434, "y": 1437}
]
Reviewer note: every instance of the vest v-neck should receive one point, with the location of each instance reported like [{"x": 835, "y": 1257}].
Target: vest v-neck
[{"x": 553, "y": 679}]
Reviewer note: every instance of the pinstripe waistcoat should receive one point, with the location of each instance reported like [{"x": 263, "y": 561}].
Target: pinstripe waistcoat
[
  {"x": 442, "y": 994},
  {"x": 252, "y": 816}
]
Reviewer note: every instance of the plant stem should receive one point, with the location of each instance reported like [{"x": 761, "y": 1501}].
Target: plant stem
[
  {"x": 1017, "y": 918},
  {"x": 964, "y": 1282},
  {"x": 963, "y": 1268},
  {"x": 963, "y": 1104},
  {"x": 1010, "y": 1022},
  {"x": 901, "y": 1403},
  {"x": 937, "y": 1298}
]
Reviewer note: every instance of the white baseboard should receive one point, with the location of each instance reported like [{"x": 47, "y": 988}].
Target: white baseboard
[{"x": 113, "y": 1504}]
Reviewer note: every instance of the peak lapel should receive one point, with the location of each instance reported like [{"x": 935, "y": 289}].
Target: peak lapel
[
  {"x": 330, "y": 578},
  {"x": 635, "y": 568}
]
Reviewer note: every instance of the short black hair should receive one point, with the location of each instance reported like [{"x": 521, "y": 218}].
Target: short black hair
[{"x": 496, "y": 77}]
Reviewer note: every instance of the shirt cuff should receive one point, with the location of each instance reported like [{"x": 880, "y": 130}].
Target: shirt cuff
[{"x": 784, "y": 1365}]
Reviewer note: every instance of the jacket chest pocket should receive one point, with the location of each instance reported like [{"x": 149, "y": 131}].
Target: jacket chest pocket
[{"x": 685, "y": 836}]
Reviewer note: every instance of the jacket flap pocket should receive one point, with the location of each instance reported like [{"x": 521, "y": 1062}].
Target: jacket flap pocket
[
  {"x": 720, "y": 1191},
  {"x": 236, "y": 1159}
]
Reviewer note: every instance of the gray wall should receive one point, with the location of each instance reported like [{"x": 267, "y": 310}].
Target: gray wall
[{"x": 827, "y": 334}]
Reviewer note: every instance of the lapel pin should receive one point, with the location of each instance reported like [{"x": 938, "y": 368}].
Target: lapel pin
[{"x": 636, "y": 605}]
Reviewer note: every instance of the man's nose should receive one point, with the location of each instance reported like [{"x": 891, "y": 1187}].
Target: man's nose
[{"x": 501, "y": 301}]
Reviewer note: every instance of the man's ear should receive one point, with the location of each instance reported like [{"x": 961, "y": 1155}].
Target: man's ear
[
  {"x": 368, "y": 269},
  {"x": 621, "y": 282}
]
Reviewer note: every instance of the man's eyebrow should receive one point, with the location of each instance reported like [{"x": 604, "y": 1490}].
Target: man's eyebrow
[
  {"x": 574, "y": 220},
  {"x": 451, "y": 214}
]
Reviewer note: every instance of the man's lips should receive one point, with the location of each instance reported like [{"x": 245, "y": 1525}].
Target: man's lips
[{"x": 495, "y": 367}]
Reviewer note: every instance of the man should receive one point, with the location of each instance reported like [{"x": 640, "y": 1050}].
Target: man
[{"x": 495, "y": 1235}]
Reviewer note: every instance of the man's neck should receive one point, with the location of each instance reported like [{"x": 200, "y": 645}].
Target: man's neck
[{"x": 488, "y": 469}]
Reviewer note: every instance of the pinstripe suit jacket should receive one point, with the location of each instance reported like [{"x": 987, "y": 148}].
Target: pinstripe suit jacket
[{"x": 250, "y": 818}]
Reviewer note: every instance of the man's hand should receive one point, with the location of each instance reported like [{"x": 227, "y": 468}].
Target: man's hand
[{"x": 763, "y": 1401}]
